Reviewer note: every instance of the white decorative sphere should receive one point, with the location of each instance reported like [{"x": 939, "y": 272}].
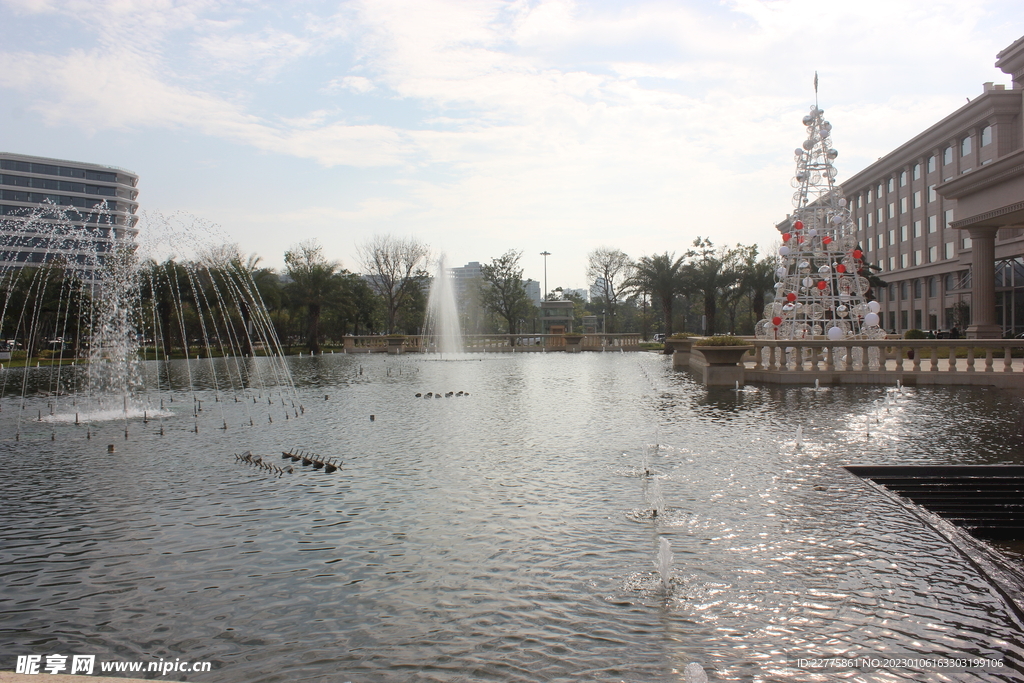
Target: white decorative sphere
[
  {"x": 808, "y": 282},
  {"x": 871, "y": 319},
  {"x": 780, "y": 272},
  {"x": 832, "y": 154},
  {"x": 812, "y": 232},
  {"x": 808, "y": 144},
  {"x": 808, "y": 120},
  {"x": 874, "y": 306},
  {"x": 842, "y": 202},
  {"x": 842, "y": 311},
  {"x": 783, "y": 250},
  {"x": 824, "y": 270},
  {"x": 835, "y": 333}
]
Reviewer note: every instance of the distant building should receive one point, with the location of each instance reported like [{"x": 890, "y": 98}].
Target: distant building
[
  {"x": 533, "y": 291},
  {"x": 942, "y": 216},
  {"x": 464, "y": 277},
  {"x": 581, "y": 293},
  {"x": 556, "y": 317},
  {"x": 41, "y": 197}
]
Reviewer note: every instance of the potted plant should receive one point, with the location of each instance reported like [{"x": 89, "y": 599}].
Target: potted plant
[{"x": 723, "y": 349}]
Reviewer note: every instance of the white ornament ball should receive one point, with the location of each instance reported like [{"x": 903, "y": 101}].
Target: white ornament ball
[
  {"x": 808, "y": 282},
  {"x": 842, "y": 202},
  {"x": 783, "y": 250},
  {"x": 874, "y": 306},
  {"x": 812, "y": 232},
  {"x": 780, "y": 272},
  {"x": 835, "y": 333},
  {"x": 871, "y": 319},
  {"x": 824, "y": 270}
]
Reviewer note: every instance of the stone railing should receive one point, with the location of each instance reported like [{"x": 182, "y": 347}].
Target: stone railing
[
  {"x": 507, "y": 343},
  {"x": 913, "y": 361}
]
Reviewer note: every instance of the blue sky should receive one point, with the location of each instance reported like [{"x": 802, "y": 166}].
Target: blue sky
[{"x": 482, "y": 126}]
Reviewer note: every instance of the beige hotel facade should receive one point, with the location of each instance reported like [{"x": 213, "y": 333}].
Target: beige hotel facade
[{"x": 942, "y": 216}]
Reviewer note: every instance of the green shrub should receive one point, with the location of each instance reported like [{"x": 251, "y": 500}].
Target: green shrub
[
  {"x": 683, "y": 335},
  {"x": 721, "y": 340},
  {"x": 914, "y": 334}
]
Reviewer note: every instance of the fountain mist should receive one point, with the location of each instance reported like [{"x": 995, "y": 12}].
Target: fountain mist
[{"x": 443, "y": 333}]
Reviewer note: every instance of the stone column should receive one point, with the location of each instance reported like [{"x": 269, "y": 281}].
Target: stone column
[{"x": 983, "y": 285}]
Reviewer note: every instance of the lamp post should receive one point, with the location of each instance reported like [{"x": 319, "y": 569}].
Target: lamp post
[{"x": 545, "y": 254}]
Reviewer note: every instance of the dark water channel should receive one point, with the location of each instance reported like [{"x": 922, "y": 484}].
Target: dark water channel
[{"x": 502, "y": 535}]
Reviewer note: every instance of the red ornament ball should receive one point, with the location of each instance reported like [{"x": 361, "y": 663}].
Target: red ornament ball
[
  {"x": 800, "y": 240},
  {"x": 857, "y": 253},
  {"x": 786, "y": 237},
  {"x": 822, "y": 285},
  {"x": 776, "y": 321},
  {"x": 841, "y": 268},
  {"x": 791, "y": 296},
  {"x": 826, "y": 240},
  {"x": 799, "y": 225}
]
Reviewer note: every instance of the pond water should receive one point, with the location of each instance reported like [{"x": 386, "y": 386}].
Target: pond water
[{"x": 502, "y": 535}]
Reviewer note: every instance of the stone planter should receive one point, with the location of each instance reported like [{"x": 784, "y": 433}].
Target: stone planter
[
  {"x": 721, "y": 364},
  {"x": 680, "y": 350},
  {"x": 395, "y": 345},
  {"x": 573, "y": 343}
]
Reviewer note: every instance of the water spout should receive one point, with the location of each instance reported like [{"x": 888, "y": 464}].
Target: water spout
[
  {"x": 442, "y": 331},
  {"x": 799, "y": 437},
  {"x": 663, "y": 563}
]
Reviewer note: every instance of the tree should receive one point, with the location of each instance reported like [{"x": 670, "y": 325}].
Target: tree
[
  {"x": 757, "y": 279},
  {"x": 315, "y": 284},
  {"x": 394, "y": 266},
  {"x": 608, "y": 269},
  {"x": 503, "y": 291},
  {"x": 710, "y": 273},
  {"x": 660, "y": 276}
]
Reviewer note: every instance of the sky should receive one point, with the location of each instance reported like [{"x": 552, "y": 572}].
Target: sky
[{"x": 482, "y": 126}]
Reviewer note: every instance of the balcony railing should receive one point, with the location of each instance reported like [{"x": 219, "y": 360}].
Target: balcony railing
[{"x": 507, "y": 343}]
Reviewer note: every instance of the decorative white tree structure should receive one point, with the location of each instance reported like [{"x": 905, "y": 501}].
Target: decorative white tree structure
[{"x": 821, "y": 287}]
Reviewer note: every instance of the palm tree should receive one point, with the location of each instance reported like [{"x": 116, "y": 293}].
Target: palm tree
[
  {"x": 711, "y": 273},
  {"x": 757, "y": 279},
  {"x": 315, "y": 284},
  {"x": 660, "y": 276}
]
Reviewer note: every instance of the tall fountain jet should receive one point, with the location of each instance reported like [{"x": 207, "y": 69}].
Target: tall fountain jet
[{"x": 443, "y": 333}]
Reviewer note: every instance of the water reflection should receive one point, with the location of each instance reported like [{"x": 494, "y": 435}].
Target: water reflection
[{"x": 490, "y": 535}]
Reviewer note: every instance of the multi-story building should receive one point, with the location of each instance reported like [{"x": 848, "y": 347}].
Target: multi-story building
[
  {"x": 55, "y": 210},
  {"x": 942, "y": 216}
]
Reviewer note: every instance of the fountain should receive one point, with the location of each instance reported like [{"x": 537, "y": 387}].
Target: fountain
[
  {"x": 663, "y": 563},
  {"x": 150, "y": 333},
  {"x": 443, "y": 333}
]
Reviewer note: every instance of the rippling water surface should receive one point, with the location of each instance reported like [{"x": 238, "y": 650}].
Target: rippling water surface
[{"x": 504, "y": 535}]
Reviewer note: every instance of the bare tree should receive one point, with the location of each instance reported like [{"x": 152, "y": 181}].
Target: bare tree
[
  {"x": 393, "y": 266},
  {"x": 608, "y": 269}
]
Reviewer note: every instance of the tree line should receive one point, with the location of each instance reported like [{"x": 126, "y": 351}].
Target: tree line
[{"x": 315, "y": 301}]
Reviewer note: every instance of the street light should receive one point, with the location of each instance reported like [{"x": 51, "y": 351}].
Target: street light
[{"x": 545, "y": 254}]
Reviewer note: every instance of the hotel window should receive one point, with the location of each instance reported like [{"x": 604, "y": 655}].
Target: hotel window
[
  {"x": 917, "y": 171},
  {"x": 860, "y": 223},
  {"x": 931, "y": 163},
  {"x": 917, "y": 199},
  {"x": 986, "y": 136},
  {"x": 881, "y": 294},
  {"x": 933, "y": 286},
  {"x": 880, "y": 215},
  {"x": 860, "y": 202},
  {"x": 933, "y": 223},
  {"x": 947, "y": 155},
  {"x": 903, "y": 233},
  {"x": 950, "y": 282},
  {"x": 869, "y": 220},
  {"x": 903, "y": 179},
  {"x": 933, "y": 254},
  {"x": 891, "y": 184},
  {"x": 903, "y": 320},
  {"x": 917, "y": 289},
  {"x": 947, "y": 218},
  {"x": 869, "y": 196},
  {"x": 904, "y": 260},
  {"x": 932, "y": 196},
  {"x": 879, "y": 190},
  {"x": 892, "y": 263},
  {"x": 949, "y": 250},
  {"x": 903, "y": 204},
  {"x": 917, "y": 228},
  {"x": 871, "y": 244},
  {"x": 892, "y": 237},
  {"x": 965, "y": 146},
  {"x": 892, "y": 209},
  {"x": 967, "y": 243},
  {"x": 905, "y": 293},
  {"x": 892, "y": 292},
  {"x": 918, "y": 258}
]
